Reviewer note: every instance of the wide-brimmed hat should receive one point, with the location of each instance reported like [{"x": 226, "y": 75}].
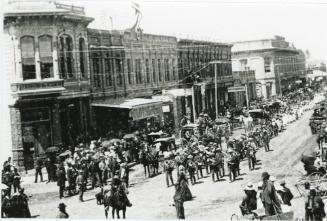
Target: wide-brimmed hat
[
  {"x": 62, "y": 205},
  {"x": 249, "y": 186}
]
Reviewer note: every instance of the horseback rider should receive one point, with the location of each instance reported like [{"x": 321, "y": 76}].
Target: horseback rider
[{"x": 118, "y": 187}]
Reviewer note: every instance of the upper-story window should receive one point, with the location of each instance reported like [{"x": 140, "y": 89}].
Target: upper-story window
[
  {"x": 138, "y": 72},
  {"x": 28, "y": 57},
  {"x": 119, "y": 71},
  {"x": 243, "y": 64},
  {"x": 82, "y": 57},
  {"x": 66, "y": 57},
  {"x": 154, "y": 79},
  {"x": 46, "y": 60},
  {"x": 174, "y": 69},
  {"x": 147, "y": 71},
  {"x": 129, "y": 71},
  {"x": 166, "y": 69},
  {"x": 267, "y": 62},
  {"x": 159, "y": 70},
  {"x": 107, "y": 69},
  {"x": 96, "y": 65}
]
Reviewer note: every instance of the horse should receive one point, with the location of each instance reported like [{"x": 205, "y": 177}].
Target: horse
[{"x": 116, "y": 201}]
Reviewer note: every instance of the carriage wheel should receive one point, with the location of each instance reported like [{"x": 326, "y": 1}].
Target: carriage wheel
[
  {"x": 315, "y": 178},
  {"x": 234, "y": 217}
]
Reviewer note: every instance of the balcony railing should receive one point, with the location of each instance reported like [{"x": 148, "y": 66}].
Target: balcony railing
[
  {"x": 38, "y": 87},
  {"x": 244, "y": 76}
]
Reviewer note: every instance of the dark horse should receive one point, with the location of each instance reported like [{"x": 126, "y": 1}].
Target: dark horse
[{"x": 116, "y": 201}]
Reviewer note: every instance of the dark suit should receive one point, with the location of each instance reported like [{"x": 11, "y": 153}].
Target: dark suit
[
  {"x": 315, "y": 208},
  {"x": 61, "y": 178},
  {"x": 269, "y": 199},
  {"x": 38, "y": 169}
]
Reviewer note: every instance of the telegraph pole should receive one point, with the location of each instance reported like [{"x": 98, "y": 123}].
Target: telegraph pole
[{"x": 216, "y": 81}]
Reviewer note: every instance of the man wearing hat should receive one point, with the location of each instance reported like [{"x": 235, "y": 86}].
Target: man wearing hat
[
  {"x": 191, "y": 167},
  {"x": 61, "y": 179},
  {"x": 199, "y": 164},
  {"x": 314, "y": 206},
  {"x": 269, "y": 197},
  {"x": 71, "y": 177},
  {"x": 249, "y": 202},
  {"x": 62, "y": 214},
  {"x": 81, "y": 184},
  {"x": 168, "y": 169},
  {"x": 38, "y": 169},
  {"x": 285, "y": 193}
]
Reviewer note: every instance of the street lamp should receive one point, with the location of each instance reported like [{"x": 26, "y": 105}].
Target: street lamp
[{"x": 216, "y": 84}]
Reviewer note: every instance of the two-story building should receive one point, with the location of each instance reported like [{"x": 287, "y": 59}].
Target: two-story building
[
  {"x": 128, "y": 67},
  {"x": 49, "y": 76},
  {"x": 244, "y": 90},
  {"x": 276, "y": 63},
  {"x": 197, "y": 72}
]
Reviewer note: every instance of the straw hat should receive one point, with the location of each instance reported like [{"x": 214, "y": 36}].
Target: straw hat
[{"x": 249, "y": 186}]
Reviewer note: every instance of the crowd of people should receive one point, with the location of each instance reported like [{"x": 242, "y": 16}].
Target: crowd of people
[{"x": 209, "y": 147}]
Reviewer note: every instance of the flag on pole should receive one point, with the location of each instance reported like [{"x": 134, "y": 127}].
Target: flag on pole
[{"x": 137, "y": 8}]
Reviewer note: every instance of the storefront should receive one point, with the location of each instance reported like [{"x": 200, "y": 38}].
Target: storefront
[
  {"x": 39, "y": 122},
  {"x": 117, "y": 118}
]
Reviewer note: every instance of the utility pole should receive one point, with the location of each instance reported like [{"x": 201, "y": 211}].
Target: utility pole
[
  {"x": 216, "y": 91},
  {"x": 216, "y": 82}
]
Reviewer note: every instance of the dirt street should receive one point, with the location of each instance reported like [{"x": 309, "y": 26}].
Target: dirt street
[{"x": 152, "y": 199}]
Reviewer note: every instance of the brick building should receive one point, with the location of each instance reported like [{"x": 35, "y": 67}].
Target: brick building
[
  {"x": 245, "y": 79},
  {"x": 196, "y": 72},
  {"x": 128, "y": 67},
  {"x": 49, "y": 80},
  {"x": 277, "y": 64},
  {"x": 68, "y": 80}
]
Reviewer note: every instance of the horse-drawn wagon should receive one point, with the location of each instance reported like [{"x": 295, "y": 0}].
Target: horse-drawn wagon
[
  {"x": 316, "y": 174},
  {"x": 259, "y": 214}
]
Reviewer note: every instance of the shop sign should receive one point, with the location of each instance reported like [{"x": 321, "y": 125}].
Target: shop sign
[
  {"x": 144, "y": 112},
  {"x": 235, "y": 89}
]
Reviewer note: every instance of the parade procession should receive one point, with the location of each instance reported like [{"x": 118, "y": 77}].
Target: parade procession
[{"x": 101, "y": 122}]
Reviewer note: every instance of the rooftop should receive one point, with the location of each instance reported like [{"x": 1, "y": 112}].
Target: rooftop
[{"x": 33, "y": 7}]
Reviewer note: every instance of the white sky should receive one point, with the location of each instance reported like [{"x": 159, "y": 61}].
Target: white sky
[{"x": 302, "y": 22}]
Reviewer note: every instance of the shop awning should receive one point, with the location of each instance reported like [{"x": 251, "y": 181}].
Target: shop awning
[{"x": 140, "y": 108}]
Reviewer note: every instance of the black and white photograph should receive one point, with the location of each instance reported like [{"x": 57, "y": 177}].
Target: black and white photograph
[{"x": 164, "y": 109}]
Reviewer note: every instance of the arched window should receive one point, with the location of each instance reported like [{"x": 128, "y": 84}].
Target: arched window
[
  {"x": 46, "y": 61},
  {"x": 28, "y": 57},
  {"x": 66, "y": 57},
  {"x": 82, "y": 57}
]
